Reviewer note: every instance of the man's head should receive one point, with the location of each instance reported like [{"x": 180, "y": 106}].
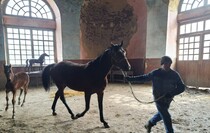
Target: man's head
[
  {"x": 165, "y": 59},
  {"x": 166, "y": 62}
]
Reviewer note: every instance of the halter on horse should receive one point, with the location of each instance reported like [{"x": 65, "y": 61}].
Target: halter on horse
[
  {"x": 40, "y": 60},
  {"x": 89, "y": 78},
  {"x": 16, "y": 81}
]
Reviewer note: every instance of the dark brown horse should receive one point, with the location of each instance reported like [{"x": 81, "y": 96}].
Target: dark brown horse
[
  {"x": 89, "y": 78},
  {"x": 16, "y": 81},
  {"x": 40, "y": 60}
]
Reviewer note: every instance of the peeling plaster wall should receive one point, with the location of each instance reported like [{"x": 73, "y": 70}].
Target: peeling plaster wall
[
  {"x": 156, "y": 29},
  {"x": 106, "y": 21},
  {"x": 103, "y": 22},
  {"x": 2, "y": 56},
  {"x": 70, "y": 16},
  {"x": 172, "y": 28},
  {"x": 137, "y": 44}
]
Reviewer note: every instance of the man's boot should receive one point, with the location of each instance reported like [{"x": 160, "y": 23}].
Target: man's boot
[{"x": 148, "y": 126}]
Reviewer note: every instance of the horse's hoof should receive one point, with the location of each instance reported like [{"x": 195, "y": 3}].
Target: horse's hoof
[
  {"x": 54, "y": 114},
  {"x": 74, "y": 117},
  {"x": 106, "y": 125},
  {"x": 78, "y": 115}
]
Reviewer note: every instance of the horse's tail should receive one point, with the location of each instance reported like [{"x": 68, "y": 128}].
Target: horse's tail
[{"x": 46, "y": 77}]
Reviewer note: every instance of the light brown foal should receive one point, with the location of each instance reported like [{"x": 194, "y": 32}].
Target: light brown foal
[{"x": 16, "y": 81}]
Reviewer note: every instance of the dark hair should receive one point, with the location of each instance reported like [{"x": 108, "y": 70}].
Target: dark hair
[{"x": 165, "y": 59}]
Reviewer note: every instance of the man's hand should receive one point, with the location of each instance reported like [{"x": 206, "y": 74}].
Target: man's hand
[{"x": 128, "y": 78}]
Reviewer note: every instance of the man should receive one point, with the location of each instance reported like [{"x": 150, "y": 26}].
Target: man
[{"x": 165, "y": 82}]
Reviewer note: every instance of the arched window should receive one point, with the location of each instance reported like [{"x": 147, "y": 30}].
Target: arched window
[
  {"x": 191, "y": 4},
  {"x": 194, "y": 30},
  {"x": 29, "y": 30}
]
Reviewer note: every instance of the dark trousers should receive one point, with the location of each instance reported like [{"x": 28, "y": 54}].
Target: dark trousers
[{"x": 163, "y": 114}]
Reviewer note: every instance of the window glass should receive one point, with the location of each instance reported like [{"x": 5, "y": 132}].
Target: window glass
[
  {"x": 200, "y": 26},
  {"x": 191, "y": 4},
  {"x": 206, "y": 47},
  {"x": 20, "y": 47},
  {"x": 29, "y": 42},
  {"x": 207, "y": 24},
  {"x": 33, "y": 8},
  {"x": 189, "y": 48}
]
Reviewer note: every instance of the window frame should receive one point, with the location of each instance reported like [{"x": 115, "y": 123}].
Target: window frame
[
  {"x": 189, "y": 17},
  {"x": 28, "y": 23}
]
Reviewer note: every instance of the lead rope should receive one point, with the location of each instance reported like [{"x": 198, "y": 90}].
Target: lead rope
[{"x": 135, "y": 95}]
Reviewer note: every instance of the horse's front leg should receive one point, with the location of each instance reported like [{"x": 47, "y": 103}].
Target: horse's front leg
[
  {"x": 100, "y": 105},
  {"x": 30, "y": 67},
  {"x": 7, "y": 101},
  {"x": 41, "y": 66},
  {"x": 87, "y": 105},
  {"x": 13, "y": 104}
]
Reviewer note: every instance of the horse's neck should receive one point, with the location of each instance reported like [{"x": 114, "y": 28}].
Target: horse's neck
[
  {"x": 12, "y": 76},
  {"x": 103, "y": 64},
  {"x": 41, "y": 57}
]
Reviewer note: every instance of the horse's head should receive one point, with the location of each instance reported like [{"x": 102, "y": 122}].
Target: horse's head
[
  {"x": 44, "y": 54},
  {"x": 118, "y": 57},
  {"x": 7, "y": 71}
]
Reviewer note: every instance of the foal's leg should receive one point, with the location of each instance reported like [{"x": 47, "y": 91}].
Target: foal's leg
[
  {"x": 13, "y": 104},
  {"x": 21, "y": 91},
  {"x": 100, "y": 105},
  {"x": 64, "y": 102},
  {"x": 87, "y": 105},
  {"x": 25, "y": 92},
  {"x": 7, "y": 100}
]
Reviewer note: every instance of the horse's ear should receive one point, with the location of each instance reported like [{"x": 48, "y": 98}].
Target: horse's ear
[
  {"x": 121, "y": 44},
  {"x": 112, "y": 44}
]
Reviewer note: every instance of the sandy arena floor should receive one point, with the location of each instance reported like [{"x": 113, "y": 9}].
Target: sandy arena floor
[{"x": 190, "y": 112}]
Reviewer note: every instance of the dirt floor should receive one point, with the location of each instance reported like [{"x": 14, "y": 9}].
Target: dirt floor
[{"x": 190, "y": 112}]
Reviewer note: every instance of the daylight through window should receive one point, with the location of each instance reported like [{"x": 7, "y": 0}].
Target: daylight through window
[{"x": 27, "y": 42}]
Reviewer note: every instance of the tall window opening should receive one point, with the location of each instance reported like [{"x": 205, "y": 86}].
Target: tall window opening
[
  {"x": 29, "y": 31},
  {"x": 194, "y": 30}
]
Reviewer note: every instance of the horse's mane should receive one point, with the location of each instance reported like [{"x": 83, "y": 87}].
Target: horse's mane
[
  {"x": 42, "y": 56},
  {"x": 98, "y": 59}
]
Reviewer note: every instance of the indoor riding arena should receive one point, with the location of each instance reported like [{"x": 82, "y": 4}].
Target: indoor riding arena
[{"x": 104, "y": 66}]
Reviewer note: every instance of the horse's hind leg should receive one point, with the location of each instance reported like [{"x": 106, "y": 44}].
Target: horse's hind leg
[
  {"x": 100, "y": 105},
  {"x": 64, "y": 102},
  {"x": 87, "y": 105},
  {"x": 57, "y": 95},
  {"x": 25, "y": 93},
  {"x": 21, "y": 91}
]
